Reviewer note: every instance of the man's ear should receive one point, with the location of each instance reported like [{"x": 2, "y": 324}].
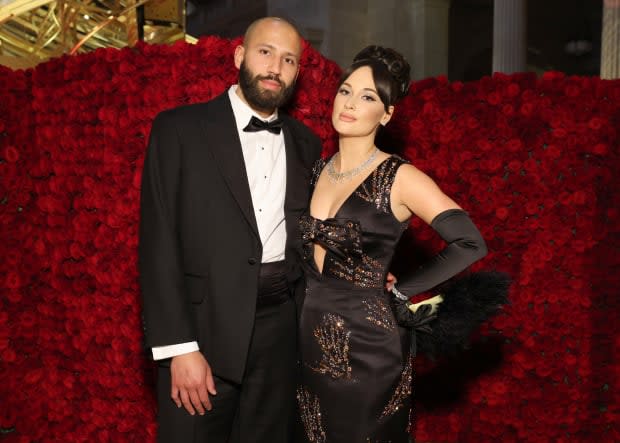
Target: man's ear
[{"x": 239, "y": 55}]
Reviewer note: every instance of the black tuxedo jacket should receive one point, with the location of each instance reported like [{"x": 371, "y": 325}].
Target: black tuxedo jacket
[{"x": 199, "y": 250}]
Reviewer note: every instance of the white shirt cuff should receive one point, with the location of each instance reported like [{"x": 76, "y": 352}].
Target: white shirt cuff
[{"x": 161, "y": 352}]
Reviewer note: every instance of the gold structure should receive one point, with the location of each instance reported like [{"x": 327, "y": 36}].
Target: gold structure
[
  {"x": 32, "y": 31},
  {"x": 610, "y": 51}
]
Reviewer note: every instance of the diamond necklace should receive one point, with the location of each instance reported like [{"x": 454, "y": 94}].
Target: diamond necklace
[{"x": 341, "y": 177}]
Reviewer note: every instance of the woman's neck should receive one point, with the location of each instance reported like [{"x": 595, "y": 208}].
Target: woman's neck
[{"x": 352, "y": 151}]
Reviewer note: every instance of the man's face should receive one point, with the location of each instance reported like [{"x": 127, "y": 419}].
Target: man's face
[
  {"x": 260, "y": 97},
  {"x": 268, "y": 64}
]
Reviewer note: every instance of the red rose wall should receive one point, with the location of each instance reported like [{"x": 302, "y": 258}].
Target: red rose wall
[{"x": 534, "y": 161}]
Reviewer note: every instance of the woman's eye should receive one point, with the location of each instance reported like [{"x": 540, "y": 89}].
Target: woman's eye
[
  {"x": 263, "y": 51},
  {"x": 343, "y": 91},
  {"x": 369, "y": 98}
]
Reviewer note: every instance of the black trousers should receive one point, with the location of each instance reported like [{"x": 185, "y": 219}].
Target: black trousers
[{"x": 262, "y": 408}]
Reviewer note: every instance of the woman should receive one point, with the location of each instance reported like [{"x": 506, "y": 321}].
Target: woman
[{"x": 356, "y": 363}]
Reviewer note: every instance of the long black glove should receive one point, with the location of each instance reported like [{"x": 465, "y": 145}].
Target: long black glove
[
  {"x": 442, "y": 325},
  {"x": 465, "y": 245}
]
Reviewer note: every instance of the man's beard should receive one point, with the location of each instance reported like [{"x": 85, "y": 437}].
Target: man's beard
[{"x": 260, "y": 98}]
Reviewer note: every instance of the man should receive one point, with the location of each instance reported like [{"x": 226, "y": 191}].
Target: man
[{"x": 224, "y": 183}]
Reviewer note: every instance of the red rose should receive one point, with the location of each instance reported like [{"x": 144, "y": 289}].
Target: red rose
[
  {"x": 600, "y": 149},
  {"x": 531, "y": 207},
  {"x": 502, "y": 213},
  {"x": 596, "y": 123},
  {"x": 514, "y": 145},
  {"x": 13, "y": 280},
  {"x": 11, "y": 154},
  {"x": 513, "y": 90},
  {"x": 472, "y": 122},
  {"x": 514, "y": 166},
  {"x": 527, "y": 109},
  {"x": 484, "y": 145},
  {"x": 494, "y": 98},
  {"x": 508, "y": 109},
  {"x": 9, "y": 355}
]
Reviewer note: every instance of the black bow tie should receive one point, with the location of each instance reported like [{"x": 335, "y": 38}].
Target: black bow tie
[{"x": 256, "y": 124}]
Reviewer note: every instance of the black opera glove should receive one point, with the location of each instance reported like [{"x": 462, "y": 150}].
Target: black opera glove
[{"x": 465, "y": 246}]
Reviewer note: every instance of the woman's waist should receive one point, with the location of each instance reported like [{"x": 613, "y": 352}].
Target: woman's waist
[{"x": 338, "y": 285}]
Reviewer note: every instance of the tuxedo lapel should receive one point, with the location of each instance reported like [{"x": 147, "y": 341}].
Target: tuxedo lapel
[
  {"x": 296, "y": 171},
  {"x": 300, "y": 156},
  {"x": 222, "y": 136}
]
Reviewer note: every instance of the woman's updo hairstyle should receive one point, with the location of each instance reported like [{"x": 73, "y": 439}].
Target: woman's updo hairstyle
[{"x": 390, "y": 72}]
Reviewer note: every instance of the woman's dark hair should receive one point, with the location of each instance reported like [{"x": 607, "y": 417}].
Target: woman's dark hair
[{"x": 390, "y": 72}]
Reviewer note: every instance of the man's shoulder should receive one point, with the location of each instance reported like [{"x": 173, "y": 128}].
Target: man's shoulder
[
  {"x": 311, "y": 142},
  {"x": 192, "y": 111},
  {"x": 299, "y": 128},
  {"x": 293, "y": 123}
]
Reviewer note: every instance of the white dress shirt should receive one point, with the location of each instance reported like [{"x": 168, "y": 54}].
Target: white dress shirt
[{"x": 265, "y": 164}]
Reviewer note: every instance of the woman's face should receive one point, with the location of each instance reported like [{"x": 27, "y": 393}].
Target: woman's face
[{"x": 358, "y": 110}]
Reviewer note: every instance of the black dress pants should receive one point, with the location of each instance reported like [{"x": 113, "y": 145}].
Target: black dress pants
[{"x": 262, "y": 408}]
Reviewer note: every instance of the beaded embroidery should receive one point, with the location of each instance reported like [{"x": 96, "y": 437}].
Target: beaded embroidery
[
  {"x": 367, "y": 274},
  {"x": 402, "y": 393},
  {"x": 316, "y": 171},
  {"x": 333, "y": 339},
  {"x": 379, "y": 313},
  {"x": 310, "y": 411},
  {"x": 381, "y": 180}
]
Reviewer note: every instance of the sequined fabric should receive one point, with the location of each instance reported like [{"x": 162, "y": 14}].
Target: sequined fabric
[
  {"x": 333, "y": 338},
  {"x": 310, "y": 411},
  {"x": 352, "y": 350},
  {"x": 402, "y": 393},
  {"x": 376, "y": 190},
  {"x": 367, "y": 273},
  {"x": 379, "y": 313}
]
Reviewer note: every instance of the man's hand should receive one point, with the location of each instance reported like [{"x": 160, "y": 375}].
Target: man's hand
[{"x": 192, "y": 382}]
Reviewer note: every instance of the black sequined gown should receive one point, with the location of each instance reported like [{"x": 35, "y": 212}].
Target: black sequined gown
[{"x": 356, "y": 369}]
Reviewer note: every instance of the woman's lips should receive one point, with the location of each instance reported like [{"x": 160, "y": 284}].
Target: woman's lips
[{"x": 346, "y": 117}]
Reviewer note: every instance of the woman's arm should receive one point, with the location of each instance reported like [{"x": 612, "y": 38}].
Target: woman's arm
[{"x": 414, "y": 193}]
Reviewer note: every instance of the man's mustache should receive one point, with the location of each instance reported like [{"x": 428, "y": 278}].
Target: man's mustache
[{"x": 272, "y": 77}]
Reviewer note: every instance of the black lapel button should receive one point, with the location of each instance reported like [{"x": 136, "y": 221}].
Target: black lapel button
[{"x": 252, "y": 260}]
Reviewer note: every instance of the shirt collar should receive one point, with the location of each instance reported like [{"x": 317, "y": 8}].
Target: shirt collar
[{"x": 242, "y": 111}]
